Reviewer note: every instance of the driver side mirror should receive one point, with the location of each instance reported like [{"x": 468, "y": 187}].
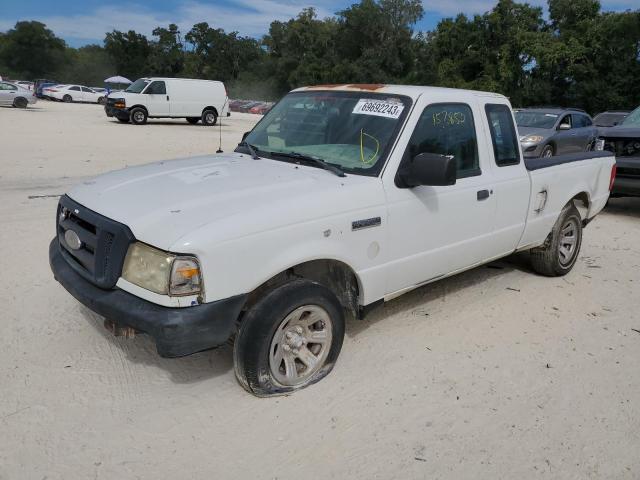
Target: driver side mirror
[
  {"x": 430, "y": 169},
  {"x": 564, "y": 126}
]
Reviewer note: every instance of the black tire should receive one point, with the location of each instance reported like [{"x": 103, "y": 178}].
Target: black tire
[
  {"x": 548, "y": 259},
  {"x": 253, "y": 343},
  {"x": 123, "y": 120},
  {"x": 20, "y": 102},
  {"x": 547, "y": 151},
  {"x": 67, "y": 99},
  {"x": 209, "y": 118},
  {"x": 138, "y": 116},
  {"x": 102, "y": 100},
  {"x": 193, "y": 120}
]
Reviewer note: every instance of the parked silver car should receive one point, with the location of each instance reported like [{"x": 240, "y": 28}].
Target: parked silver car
[
  {"x": 14, "y": 95},
  {"x": 545, "y": 132}
]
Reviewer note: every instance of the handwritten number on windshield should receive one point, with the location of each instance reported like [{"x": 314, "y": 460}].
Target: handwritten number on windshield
[{"x": 447, "y": 119}]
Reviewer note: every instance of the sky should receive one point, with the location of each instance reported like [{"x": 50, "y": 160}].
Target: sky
[{"x": 82, "y": 22}]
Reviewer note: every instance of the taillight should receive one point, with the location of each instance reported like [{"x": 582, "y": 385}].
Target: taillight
[{"x": 614, "y": 170}]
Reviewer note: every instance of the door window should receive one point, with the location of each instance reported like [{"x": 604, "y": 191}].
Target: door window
[
  {"x": 85, "y": 89},
  {"x": 448, "y": 129},
  {"x": 503, "y": 135},
  {"x": 566, "y": 120},
  {"x": 74, "y": 88},
  {"x": 7, "y": 86},
  {"x": 580, "y": 121},
  {"x": 156, "y": 88}
]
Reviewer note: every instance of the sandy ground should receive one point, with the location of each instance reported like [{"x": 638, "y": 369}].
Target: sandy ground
[{"x": 496, "y": 373}]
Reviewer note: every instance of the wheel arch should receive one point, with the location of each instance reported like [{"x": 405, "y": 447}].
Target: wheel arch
[
  {"x": 336, "y": 275},
  {"x": 139, "y": 106},
  {"x": 210, "y": 107},
  {"x": 582, "y": 202}
]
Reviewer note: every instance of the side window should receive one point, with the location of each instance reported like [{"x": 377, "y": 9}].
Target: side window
[
  {"x": 448, "y": 129},
  {"x": 566, "y": 120},
  {"x": 75, "y": 89},
  {"x": 503, "y": 135},
  {"x": 156, "y": 88},
  {"x": 587, "y": 121},
  {"x": 7, "y": 86},
  {"x": 85, "y": 89},
  {"x": 580, "y": 121}
]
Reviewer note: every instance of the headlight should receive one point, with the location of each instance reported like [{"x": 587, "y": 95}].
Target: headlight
[
  {"x": 532, "y": 139},
  {"x": 162, "y": 272}
]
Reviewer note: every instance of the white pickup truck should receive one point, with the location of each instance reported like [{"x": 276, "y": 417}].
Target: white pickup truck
[{"x": 340, "y": 198}]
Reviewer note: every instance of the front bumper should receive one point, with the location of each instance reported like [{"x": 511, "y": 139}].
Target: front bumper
[
  {"x": 176, "y": 331},
  {"x": 112, "y": 111}
]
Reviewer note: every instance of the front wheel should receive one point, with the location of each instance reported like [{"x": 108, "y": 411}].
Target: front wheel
[
  {"x": 67, "y": 99},
  {"x": 560, "y": 251},
  {"x": 138, "y": 116},
  {"x": 289, "y": 339},
  {"x": 547, "y": 151}
]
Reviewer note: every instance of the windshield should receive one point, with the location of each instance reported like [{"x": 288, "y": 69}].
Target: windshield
[
  {"x": 350, "y": 130},
  {"x": 633, "y": 120},
  {"x": 137, "y": 86},
  {"x": 536, "y": 119}
]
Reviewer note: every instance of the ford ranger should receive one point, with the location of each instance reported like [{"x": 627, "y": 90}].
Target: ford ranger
[{"x": 342, "y": 197}]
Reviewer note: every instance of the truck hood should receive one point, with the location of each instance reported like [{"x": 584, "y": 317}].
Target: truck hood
[
  {"x": 164, "y": 201},
  {"x": 619, "y": 131}
]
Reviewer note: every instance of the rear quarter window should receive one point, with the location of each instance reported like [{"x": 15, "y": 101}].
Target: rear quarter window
[{"x": 504, "y": 138}]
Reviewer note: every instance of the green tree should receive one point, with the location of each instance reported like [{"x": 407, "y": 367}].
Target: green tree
[
  {"x": 31, "y": 50},
  {"x": 167, "y": 52},
  {"x": 129, "y": 52}
]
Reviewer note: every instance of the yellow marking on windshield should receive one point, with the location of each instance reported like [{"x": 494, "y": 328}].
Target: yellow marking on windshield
[{"x": 371, "y": 159}]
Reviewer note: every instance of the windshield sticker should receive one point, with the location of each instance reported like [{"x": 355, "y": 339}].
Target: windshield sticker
[{"x": 379, "y": 108}]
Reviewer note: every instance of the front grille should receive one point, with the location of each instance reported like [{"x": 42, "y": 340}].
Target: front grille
[{"x": 103, "y": 243}]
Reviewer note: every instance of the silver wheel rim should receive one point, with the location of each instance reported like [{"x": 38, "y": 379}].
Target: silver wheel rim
[
  {"x": 568, "y": 242},
  {"x": 138, "y": 116},
  {"x": 547, "y": 153},
  {"x": 209, "y": 117},
  {"x": 300, "y": 345}
]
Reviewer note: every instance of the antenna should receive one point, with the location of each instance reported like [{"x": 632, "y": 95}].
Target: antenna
[{"x": 220, "y": 129}]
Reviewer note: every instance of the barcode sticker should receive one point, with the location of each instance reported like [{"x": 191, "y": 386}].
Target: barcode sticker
[{"x": 379, "y": 108}]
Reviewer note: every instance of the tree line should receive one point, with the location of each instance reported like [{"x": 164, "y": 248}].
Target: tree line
[{"x": 578, "y": 56}]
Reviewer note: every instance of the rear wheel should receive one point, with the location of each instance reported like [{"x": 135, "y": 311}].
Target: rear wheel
[
  {"x": 102, "y": 100},
  {"x": 193, "y": 120},
  {"x": 289, "y": 339},
  {"x": 559, "y": 253},
  {"x": 547, "y": 151},
  {"x": 209, "y": 117},
  {"x": 20, "y": 102},
  {"x": 138, "y": 116},
  {"x": 67, "y": 98}
]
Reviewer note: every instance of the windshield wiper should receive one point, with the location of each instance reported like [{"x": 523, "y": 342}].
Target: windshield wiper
[
  {"x": 309, "y": 158},
  {"x": 251, "y": 148}
]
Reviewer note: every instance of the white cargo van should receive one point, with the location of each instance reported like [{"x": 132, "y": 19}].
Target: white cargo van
[{"x": 156, "y": 97}]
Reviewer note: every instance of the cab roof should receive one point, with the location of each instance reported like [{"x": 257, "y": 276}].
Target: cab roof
[{"x": 412, "y": 91}]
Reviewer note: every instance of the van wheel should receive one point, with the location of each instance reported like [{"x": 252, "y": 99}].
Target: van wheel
[
  {"x": 20, "y": 102},
  {"x": 67, "y": 99},
  {"x": 193, "y": 120},
  {"x": 138, "y": 116},
  {"x": 560, "y": 251},
  {"x": 209, "y": 118},
  {"x": 289, "y": 339}
]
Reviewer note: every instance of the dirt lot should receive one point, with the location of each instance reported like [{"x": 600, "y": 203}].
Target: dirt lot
[{"x": 496, "y": 373}]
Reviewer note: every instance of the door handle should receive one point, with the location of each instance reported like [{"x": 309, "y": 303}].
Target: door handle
[
  {"x": 483, "y": 195},
  {"x": 167, "y": 98}
]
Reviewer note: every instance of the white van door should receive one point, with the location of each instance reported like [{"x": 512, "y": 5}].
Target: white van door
[{"x": 157, "y": 99}]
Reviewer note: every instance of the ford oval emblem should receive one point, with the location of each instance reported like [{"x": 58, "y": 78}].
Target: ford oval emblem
[{"x": 72, "y": 239}]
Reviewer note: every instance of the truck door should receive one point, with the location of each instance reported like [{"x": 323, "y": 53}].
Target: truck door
[
  {"x": 157, "y": 99},
  {"x": 436, "y": 230},
  {"x": 512, "y": 184}
]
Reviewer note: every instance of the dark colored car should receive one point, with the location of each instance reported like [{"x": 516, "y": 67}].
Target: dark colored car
[
  {"x": 610, "y": 119},
  {"x": 624, "y": 141},
  {"x": 245, "y": 107},
  {"x": 235, "y": 104},
  {"x": 545, "y": 132},
  {"x": 41, "y": 83}
]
